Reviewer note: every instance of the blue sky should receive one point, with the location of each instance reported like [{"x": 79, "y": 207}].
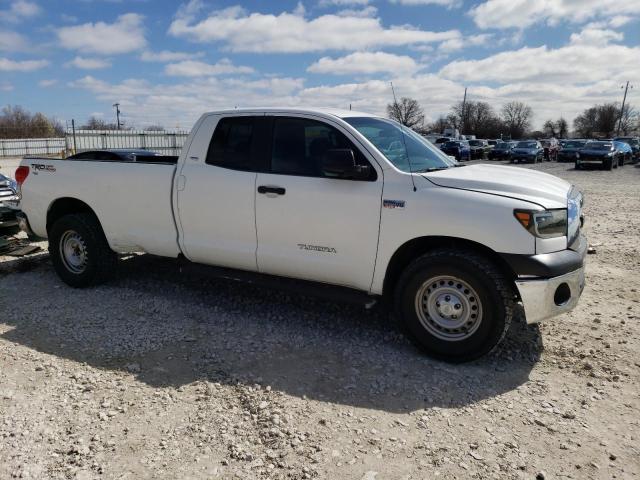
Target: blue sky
[{"x": 166, "y": 62}]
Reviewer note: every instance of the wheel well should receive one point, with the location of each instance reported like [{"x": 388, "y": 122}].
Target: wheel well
[
  {"x": 65, "y": 206},
  {"x": 421, "y": 245}
]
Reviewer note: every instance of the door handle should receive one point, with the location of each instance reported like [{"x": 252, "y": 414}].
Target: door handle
[{"x": 275, "y": 190}]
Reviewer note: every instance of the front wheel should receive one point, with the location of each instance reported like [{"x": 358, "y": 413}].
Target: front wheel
[
  {"x": 608, "y": 164},
  {"x": 79, "y": 250},
  {"x": 457, "y": 306}
]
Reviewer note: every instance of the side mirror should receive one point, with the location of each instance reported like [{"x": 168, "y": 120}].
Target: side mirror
[{"x": 341, "y": 163}]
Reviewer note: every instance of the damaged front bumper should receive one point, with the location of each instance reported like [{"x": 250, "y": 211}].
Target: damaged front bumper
[{"x": 549, "y": 297}]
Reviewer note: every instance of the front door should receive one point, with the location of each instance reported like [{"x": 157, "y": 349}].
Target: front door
[{"x": 309, "y": 225}]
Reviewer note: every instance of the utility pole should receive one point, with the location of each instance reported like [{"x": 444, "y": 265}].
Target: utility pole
[
  {"x": 624, "y": 99},
  {"x": 117, "y": 107},
  {"x": 464, "y": 103}
]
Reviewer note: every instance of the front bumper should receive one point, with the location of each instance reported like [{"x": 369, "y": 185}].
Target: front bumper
[
  {"x": 550, "y": 283},
  {"x": 546, "y": 298}
]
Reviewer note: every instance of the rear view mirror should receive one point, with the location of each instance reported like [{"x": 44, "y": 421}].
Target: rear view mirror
[{"x": 341, "y": 163}]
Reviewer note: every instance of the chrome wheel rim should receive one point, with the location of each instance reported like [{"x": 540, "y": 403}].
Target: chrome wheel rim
[
  {"x": 448, "y": 308},
  {"x": 73, "y": 252}
]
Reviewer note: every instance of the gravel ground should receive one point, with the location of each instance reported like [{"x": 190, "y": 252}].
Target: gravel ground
[{"x": 170, "y": 374}]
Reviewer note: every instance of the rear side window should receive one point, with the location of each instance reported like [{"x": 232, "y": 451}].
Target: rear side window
[
  {"x": 230, "y": 146},
  {"x": 299, "y": 146}
]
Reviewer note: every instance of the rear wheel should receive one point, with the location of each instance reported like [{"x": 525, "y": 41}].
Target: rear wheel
[
  {"x": 79, "y": 250},
  {"x": 457, "y": 306}
]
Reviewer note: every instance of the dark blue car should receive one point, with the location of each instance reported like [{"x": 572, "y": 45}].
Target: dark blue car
[
  {"x": 458, "y": 149},
  {"x": 625, "y": 152}
]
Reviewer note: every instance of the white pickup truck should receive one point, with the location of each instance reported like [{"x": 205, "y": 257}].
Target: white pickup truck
[{"x": 327, "y": 197}]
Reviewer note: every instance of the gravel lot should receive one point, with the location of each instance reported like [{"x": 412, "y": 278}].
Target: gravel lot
[{"x": 170, "y": 374}]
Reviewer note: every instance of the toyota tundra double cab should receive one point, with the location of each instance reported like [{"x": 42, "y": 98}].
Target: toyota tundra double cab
[{"x": 326, "y": 197}]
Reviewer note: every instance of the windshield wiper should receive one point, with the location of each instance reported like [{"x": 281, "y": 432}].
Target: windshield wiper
[{"x": 431, "y": 169}]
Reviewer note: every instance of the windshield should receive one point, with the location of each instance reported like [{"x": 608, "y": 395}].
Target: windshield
[
  {"x": 403, "y": 147},
  {"x": 475, "y": 143},
  {"x": 630, "y": 141},
  {"x": 574, "y": 144},
  {"x": 599, "y": 146},
  {"x": 526, "y": 145}
]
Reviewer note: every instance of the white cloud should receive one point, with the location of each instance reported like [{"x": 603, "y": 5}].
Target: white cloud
[
  {"x": 595, "y": 36},
  {"x": 168, "y": 56},
  {"x": 369, "y": 11},
  {"x": 444, "y": 3},
  {"x": 88, "y": 63},
  {"x": 524, "y": 13},
  {"x": 241, "y": 31},
  {"x": 124, "y": 36},
  {"x": 12, "y": 41},
  {"x": 343, "y": 3},
  {"x": 19, "y": 10},
  {"x": 456, "y": 44},
  {"x": 7, "y": 65},
  {"x": 46, "y": 83},
  {"x": 194, "y": 68},
  {"x": 6, "y": 87},
  {"x": 365, "y": 63},
  {"x": 573, "y": 64}
]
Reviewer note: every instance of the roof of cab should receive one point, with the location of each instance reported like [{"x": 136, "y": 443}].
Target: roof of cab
[{"x": 334, "y": 112}]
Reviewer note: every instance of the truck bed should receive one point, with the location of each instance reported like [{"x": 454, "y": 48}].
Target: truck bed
[{"x": 131, "y": 199}]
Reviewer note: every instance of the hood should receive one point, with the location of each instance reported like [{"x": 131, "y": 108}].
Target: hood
[
  {"x": 525, "y": 150},
  {"x": 540, "y": 188}
]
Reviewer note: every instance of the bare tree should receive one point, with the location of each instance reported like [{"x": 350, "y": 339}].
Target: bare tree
[
  {"x": 517, "y": 118},
  {"x": 95, "y": 123},
  {"x": 478, "y": 118},
  {"x": 600, "y": 121},
  {"x": 408, "y": 112},
  {"x": 628, "y": 118},
  {"x": 439, "y": 125},
  {"x": 16, "y": 122},
  {"x": 562, "y": 128}
]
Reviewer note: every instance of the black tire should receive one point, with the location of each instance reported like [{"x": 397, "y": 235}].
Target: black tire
[
  {"x": 494, "y": 303},
  {"x": 100, "y": 261},
  {"x": 607, "y": 164}
]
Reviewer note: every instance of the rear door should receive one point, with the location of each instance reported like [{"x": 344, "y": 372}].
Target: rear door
[
  {"x": 216, "y": 191},
  {"x": 310, "y": 226}
]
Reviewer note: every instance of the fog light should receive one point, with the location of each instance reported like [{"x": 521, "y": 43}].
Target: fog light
[{"x": 562, "y": 295}]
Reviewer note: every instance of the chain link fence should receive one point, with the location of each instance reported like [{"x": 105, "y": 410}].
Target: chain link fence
[{"x": 165, "y": 142}]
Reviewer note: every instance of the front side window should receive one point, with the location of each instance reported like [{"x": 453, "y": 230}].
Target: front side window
[
  {"x": 404, "y": 148},
  {"x": 300, "y": 145},
  {"x": 230, "y": 146}
]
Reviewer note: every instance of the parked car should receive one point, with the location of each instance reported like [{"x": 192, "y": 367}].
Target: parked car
[
  {"x": 118, "y": 155},
  {"x": 502, "y": 151},
  {"x": 337, "y": 201},
  {"x": 624, "y": 151},
  {"x": 493, "y": 143},
  {"x": 551, "y": 147},
  {"x": 569, "y": 149},
  {"x": 458, "y": 149},
  {"x": 598, "y": 152},
  {"x": 634, "y": 143},
  {"x": 8, "y": 198},
  {"x": 528, "y": 151},
  {"x": 479, "y": 148}
]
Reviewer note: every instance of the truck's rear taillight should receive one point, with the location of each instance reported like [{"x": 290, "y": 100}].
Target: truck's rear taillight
[{"x": 21, "y": 174}]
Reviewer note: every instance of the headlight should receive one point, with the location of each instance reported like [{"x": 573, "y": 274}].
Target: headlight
[{"x": 545, "y": 223}]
